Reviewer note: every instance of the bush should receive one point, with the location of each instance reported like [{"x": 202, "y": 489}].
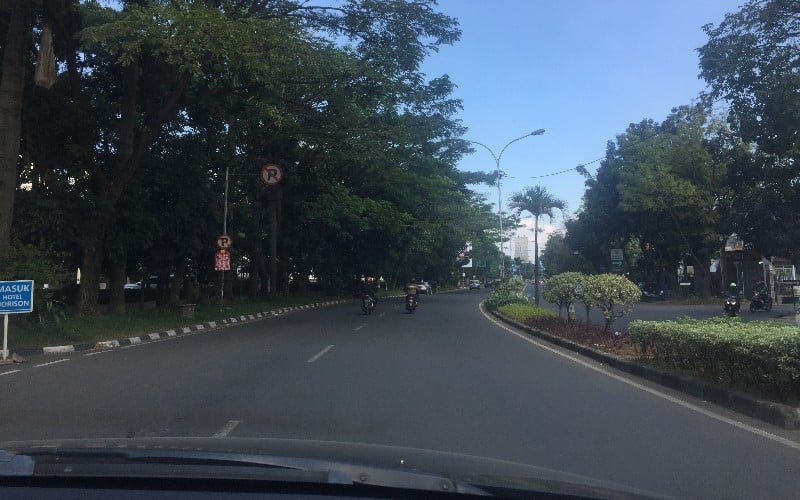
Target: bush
[
  {"x": 562, "y": 289},
  {"x": 509, "y": 292},
  {"x": 612, "y": 293},
  {"x": 763, "y": 355},
  {"x": 523, "y": 312}
]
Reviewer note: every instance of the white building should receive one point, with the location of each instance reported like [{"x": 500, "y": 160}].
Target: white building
[{"x": 521, "y": 248}]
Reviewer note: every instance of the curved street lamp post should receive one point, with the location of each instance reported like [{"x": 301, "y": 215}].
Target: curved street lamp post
[{"x": 499, "y": 193}]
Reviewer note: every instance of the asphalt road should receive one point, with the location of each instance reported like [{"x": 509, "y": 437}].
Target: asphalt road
[{"x": 446, "y": 378}]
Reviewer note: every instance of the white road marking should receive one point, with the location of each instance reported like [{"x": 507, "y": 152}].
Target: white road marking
[
  {"x": 9, "y": 372},
  {"x": 99, "y": 352},
  {"x": 689, "y": 406},
  {"x": 51, "y": 363},
  {"x": 227, "y": 428},
  {"x": 320, "y": 354},
  {"x": 359, "y": 327}
]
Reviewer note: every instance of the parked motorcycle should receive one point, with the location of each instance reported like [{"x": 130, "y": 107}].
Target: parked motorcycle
[
  {"x": 411, "y": 303},
  {"x": 732, "y": 304},
  {"x": 367, "y": 304},
  {"x": 761, "y": 301}
]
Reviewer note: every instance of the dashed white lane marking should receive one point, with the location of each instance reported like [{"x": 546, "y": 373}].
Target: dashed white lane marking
[
  {"x": 9, "y": 372},
  {"x": 320, "y": 354},
  {"x": 95, "y": 353},
  {"x": 359, "y": 327},
  {"x": 227, "y": 428},
  {"x": 51, "y": 363},
  {"x": 671, "y": 399}
]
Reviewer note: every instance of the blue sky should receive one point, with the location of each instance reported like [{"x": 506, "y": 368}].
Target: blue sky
[{"x": 583, "y": 70}]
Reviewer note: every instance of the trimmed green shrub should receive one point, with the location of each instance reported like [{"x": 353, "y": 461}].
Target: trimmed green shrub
[
  {"x": 764, "y": 355},
  {"x": 562, "y": 289},
  {"x": 613, "y": 294},
  {"x": 523, "y": 312},
  {"x": 508, "y": 292}
]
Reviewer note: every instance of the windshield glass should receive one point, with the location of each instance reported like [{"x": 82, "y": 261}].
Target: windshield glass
[{"x": 562, "y": 234}]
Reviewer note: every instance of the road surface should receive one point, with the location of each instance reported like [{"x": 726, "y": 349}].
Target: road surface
[{"x": 446, "y": 378}]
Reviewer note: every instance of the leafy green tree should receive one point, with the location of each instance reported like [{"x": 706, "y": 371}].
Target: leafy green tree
[
  {"x": 558, "y": 257},
  {"x": 613, "y": 294},
  {"x": 151, "y": 71},
  {"x": 537, "y": 201},
  {"x": 750, "y": 61},
  {"x": 563, "y": 289}
]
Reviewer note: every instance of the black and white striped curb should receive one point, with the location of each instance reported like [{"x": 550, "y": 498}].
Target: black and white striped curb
[{"x": 176, "y": 332}]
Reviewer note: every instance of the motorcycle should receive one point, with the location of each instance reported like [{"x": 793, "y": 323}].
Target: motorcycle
[
  {"x": 411, "y": 303},
  {"x": 367, "y": 304},
  {"x": 761, "y": 301},
  {"x": 732, "y": 305}
]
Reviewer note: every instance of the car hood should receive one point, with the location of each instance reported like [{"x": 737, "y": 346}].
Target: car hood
[{"x": 343, "y": 462}]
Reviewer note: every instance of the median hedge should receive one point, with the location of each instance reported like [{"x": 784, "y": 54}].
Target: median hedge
[
  {"x": 760, "y": 355},
  {"x": 508, "y": 292},
  {"x": 522, "y": 312}
]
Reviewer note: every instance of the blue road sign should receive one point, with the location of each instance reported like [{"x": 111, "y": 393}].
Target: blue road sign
[{"x": 16, "y": 297}]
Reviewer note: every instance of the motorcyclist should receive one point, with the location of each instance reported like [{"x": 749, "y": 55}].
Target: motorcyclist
[
  {"x": 733, "y": 290},
  {"x": 413, "y": 289},
  {"x": 368, "y": 289}
]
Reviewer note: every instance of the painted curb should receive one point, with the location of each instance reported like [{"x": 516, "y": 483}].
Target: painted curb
[
  {"x": 782, "y": 415},
  {"x": 176, "y": 332}
]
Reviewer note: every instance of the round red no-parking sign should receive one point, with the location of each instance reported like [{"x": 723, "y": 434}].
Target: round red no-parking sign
[{"x": 271, "y": 174}]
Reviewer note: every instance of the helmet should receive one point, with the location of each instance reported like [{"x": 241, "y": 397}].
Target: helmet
[{"x": 732, "y": 285}]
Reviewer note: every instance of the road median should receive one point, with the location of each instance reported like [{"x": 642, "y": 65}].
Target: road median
[{"x": 779, "y": 414}]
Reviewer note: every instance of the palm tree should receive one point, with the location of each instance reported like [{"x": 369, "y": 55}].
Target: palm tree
[{"x": 538, "y": 201}]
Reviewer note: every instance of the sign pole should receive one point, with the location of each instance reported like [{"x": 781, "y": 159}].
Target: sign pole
[
  {"x": 5, "y": 337},
  {"x": 224, "y": 231},
  {"x": 15, "y": 297}
]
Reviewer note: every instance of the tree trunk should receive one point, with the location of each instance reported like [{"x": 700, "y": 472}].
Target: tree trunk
[
  {"x": 90, "y": 271},
  {"x": 176, "y": 285},
  {"x": 273, "y": 198},
  {"x": 117, "y": 272},
  {"x": 11, "y": 87}
]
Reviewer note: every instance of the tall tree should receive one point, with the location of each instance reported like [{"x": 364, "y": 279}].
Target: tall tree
[
  {"x": 16, "y": 30},
  {"x": 537, "y": 201},
  {"x": 751, "y": 61}
]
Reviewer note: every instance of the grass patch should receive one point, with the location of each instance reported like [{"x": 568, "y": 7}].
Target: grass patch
[
  {"x": 80, "y": 330},
  {"x": 523, "y": 312}
]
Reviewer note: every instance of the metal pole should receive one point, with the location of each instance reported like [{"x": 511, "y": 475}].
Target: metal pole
[
  {"x": 499, "y": 192},
  {"x": 224, "y": 231},
  {"x": 500, "y": 212},
  {"x": 5, "y": 337}
]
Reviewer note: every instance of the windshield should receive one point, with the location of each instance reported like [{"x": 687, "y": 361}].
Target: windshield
[{"x": 562, "y": 234}]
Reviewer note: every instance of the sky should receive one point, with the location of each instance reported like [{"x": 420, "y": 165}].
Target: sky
[{"x": 583, "y": 70}]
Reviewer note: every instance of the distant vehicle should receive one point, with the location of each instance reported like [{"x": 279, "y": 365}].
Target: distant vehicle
[
  {"x": 428, "y": 288},
  {"x": 133, "y": 286},
  {"x": 652, "y": 292},
  {"x": 422, "y": 287},
  {"x": 474, "y": 284}
]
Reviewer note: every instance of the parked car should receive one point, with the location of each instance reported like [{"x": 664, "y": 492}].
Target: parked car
[{"x": 474, "y": 284}]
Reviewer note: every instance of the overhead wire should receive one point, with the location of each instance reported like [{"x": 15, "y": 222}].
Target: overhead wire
[{"x": 583, "y": 165}]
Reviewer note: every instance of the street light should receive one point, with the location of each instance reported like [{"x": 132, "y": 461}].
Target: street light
[{"x": 499, "y": 194}]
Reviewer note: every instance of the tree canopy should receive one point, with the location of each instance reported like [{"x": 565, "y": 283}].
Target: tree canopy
[{"x": 124, "y": 158}]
